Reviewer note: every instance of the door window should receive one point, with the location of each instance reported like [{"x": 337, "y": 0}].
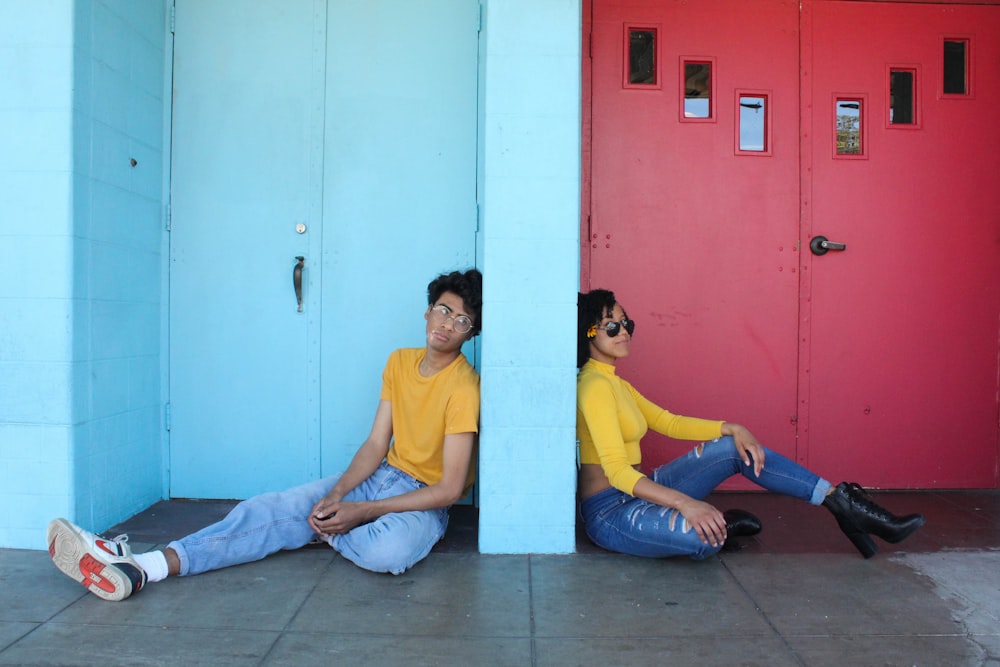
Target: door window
[
  {"x": 753, "y": 123},
  {"x": 697, "y": 89},
  {"x": 849, "y": 119},
  {"x": 902, "y": 112},
  {"x": 956, "y": 66},
  {"x": 640, "y": 44}
]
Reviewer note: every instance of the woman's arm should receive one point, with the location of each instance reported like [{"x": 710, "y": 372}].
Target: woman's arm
[
  {"x": 746, "y": 444},
  {"x": 703, "y": 517},
  {"x": 679, "y": 427}
]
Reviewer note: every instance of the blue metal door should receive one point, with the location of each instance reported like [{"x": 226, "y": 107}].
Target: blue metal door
[
  {"x": 342, "y": 133},
  {"x": 399, "y": 190}
]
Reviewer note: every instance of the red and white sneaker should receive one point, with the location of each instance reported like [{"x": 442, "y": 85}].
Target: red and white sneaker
[{"x": 104, "y": 567}]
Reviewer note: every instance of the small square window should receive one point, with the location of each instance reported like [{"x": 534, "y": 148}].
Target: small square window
[
  {"x": 849, "y": 126},
  {"x": 641, "y": 67},
  {"x": 697, "y": 90},
  {"x": 956, "y": 67},
  {"x": 903, "y": 97},
  {"x": 753, "y": 123}
]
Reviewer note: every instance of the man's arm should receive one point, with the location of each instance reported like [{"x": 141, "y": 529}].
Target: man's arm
[
  {"x": 366, "y": 460},
  {"x": 457, "y": 457}
]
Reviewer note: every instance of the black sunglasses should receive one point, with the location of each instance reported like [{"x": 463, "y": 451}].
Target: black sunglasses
[{"x": 612, "y": 328}]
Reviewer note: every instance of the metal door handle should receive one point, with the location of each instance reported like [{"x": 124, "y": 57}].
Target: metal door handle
[
  {"x": 820, "y": 245},
  {"x": 297, "y": 280}
]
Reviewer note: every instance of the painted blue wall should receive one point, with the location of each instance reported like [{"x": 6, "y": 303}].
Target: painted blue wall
[
  {"x": 531, "y": 210},
  {"x": 80, "y": 266}
]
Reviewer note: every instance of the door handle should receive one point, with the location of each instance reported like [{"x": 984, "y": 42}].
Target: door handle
[
  {"x": 820, "y": 245},
  {"x": 297, "y": 280}
]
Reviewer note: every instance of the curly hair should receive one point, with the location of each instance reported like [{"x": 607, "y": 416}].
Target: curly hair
[
  {"x": 591, "y": 308},
  {"x": 466, "y": 284}
]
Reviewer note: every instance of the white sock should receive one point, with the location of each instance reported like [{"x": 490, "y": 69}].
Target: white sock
[{"x": 154, "y": 563}]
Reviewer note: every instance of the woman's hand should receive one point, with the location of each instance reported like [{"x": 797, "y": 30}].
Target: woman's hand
[
  {"x": 746, "y": 445},
  {"x": 706, "y": 520}
]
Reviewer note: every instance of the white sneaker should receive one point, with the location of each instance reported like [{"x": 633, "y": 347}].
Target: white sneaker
[{"x": 105, "y": 567}]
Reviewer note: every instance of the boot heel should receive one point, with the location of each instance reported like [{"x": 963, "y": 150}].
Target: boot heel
[{"x": 861, "y": 541}]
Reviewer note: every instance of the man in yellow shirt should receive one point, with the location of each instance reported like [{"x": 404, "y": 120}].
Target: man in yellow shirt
[{"x": 384, "y": 513}]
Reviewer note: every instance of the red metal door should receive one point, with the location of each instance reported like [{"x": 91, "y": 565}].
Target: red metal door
[
  {"x": 697, "y": 237},
  {"x": 899, "y": 353},
  {"x": 857, "y": 369}
]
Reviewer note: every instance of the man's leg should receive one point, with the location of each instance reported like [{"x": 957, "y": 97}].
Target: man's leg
[
  {"x": 104, "y": 567},
  {"x": 394, "y": 542},
  {"x": 252, "y": 530},
  {"x": 255, "y": 528}
]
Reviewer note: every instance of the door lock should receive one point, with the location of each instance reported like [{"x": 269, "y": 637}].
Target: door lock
[{"x": 820, "y": 245}]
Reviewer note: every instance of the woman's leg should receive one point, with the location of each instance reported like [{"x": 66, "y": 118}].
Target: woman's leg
[
  {"x": 619, "y": 522},
  {"x": 255, "y": 528},
  {"x": 706, "y": 466}
]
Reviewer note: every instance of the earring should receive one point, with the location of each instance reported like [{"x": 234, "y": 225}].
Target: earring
[{"x": 592, "y": 331}]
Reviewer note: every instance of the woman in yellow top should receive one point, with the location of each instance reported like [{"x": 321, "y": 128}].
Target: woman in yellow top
[{"x": 665, "y": 514}]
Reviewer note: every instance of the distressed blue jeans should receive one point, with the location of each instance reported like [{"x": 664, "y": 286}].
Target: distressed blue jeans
[
  {"x": 270, "y": 522},
  {"x": 619, "y": 522}
]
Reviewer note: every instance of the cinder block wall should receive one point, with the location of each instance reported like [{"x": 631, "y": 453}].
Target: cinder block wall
[
  {"x": 531, "y": 211},
  {"x": 80, "y": 227}
]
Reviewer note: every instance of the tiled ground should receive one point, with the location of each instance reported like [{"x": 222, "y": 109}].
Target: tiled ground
[{"x": 795, "y": 595}]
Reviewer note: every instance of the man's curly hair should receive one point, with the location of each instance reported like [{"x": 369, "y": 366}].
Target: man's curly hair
[{"x": 466, "y": 284}]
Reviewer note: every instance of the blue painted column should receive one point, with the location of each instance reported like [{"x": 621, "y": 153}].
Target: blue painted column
[
  {"x": 530, "y": 210},
  {"x": 81, "y": 229}
]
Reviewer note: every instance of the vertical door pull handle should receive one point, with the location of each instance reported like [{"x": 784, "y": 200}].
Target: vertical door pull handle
[{"x": 297, "y": 280}]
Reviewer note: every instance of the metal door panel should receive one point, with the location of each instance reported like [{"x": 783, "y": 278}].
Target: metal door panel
[
  {"x": 878, "y": 362},
  {"x": 400, "y": 190},
  {"x": 900, "y": 341},
  {"x": 697, "y": 242},
  {"x": 356, "y": 120},
  {"x": 247, "y": 129}
]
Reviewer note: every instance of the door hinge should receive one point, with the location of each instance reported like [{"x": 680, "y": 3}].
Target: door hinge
[
  {"x": 167, "y": 216},
  {"x": 478, "y": 214},
  {"x": 166, "y": 416},
  {"x": 479, "y": 27},
  {"x": 173, "y": 16}
]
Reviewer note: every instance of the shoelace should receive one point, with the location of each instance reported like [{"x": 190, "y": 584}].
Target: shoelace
[{"x": 864, "y": 501}]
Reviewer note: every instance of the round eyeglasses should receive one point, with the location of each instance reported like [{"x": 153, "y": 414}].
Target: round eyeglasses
[
  {"x": 460, "y": 323},
  {"x": 613, "y": 328}
]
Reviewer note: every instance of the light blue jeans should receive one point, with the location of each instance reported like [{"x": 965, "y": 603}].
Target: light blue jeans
[
  {"x": 619, "y": 522},
  {"x": 270, "y": 522}
]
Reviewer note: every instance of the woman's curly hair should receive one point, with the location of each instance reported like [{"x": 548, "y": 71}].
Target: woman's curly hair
[{"x": 591, "y": 308}]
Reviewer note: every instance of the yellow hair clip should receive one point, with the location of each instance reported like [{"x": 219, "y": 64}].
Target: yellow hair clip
[{"x": 592, "y": 331}]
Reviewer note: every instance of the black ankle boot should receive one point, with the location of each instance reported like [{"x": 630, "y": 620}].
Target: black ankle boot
[
  {"x": 740, "y": 523},
  {"x": 858, "y": 516}
]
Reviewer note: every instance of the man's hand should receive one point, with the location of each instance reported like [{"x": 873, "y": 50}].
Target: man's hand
[
  {"x": 337, "y": 518},
  {"x": 746, "y": 444}
]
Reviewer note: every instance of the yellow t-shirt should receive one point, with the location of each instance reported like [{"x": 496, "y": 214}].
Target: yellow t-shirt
[
  {"x": 612, "y": 417},
  {"x": 425, "y": 409}
]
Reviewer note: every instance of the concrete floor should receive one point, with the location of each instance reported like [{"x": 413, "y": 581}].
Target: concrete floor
[{"x": 796, "y": 595}]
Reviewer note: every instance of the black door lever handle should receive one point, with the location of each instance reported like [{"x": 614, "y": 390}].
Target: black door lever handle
[{"x": 820, "y": 245}]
